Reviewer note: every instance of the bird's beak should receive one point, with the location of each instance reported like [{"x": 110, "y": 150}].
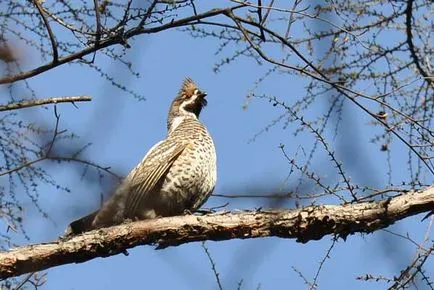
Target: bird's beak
[{"x": 202, "y": 99}]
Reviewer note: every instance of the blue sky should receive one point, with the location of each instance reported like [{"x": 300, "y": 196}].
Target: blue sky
[{"x": 121, "y": 130}]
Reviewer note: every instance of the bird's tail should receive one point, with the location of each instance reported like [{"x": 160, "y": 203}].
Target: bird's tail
[{"x": 81, "y": 225}]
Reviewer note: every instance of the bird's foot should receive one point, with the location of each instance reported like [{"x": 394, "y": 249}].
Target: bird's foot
[
  {"x": 204, "y": 211},
  {"x": 187, "y": 212}
]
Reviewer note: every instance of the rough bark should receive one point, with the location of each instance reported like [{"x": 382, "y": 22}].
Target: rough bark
[{"x": 306, "y": 224}]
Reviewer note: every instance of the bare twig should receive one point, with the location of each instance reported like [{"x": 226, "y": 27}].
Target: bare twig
[
  {"x": 302, "y": 13},
  {"x": 65, "y": 159},
  {"x": 409, "y": 273},
  {"x": 98, "y": 22},
  {"x": 408, "y": 19},
  {"x": 49, "y": 31},
  {"x": 260, "y": 20},
  {"x": 268, "y": 9},
  {"x": 314, "y": 284},
  {"x": 213, "y": 266},
  {"x": 147, "y": 14},
  {"x": 56, "y": 132},
  {"x": 25, "y": 280},
  {"x": 193, "y": 6},
  {"x": 68, "y": 26},
  {"x": 21, "y": 166},
  {"x": 303, "y": 277}
]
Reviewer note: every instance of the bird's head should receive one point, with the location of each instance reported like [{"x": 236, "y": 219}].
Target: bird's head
[{"x": 189, "y": 102}]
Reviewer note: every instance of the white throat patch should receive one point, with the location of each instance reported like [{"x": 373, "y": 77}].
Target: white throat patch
[
  {"x": 178, "y": 120},
  {"x": 175, "y": 123},
  {"x": 183, "y": 113}
]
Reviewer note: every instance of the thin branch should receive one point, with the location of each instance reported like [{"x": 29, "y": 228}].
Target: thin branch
[
  {"x": 23, "y": 165},
  {"x": 213, "y": 266},
  {"x": 67, "y": 25},
  {"x": 304, "y": 225},
  {"x": 409, "y": 273},
  {"x": 301, "y": 12},
  {"x": 314, "y": 284},
  {"x": 85, "y": 162},
  {"x": 194, "y": 7},
  {"x": 147, "y": 14},
  {"x": 409, "y": 15},
  {"x": 49, "y": 31},
  {"x": 260, "y": 20},
  {"x": 291, "y": 18},
  {"x": 98, "y": 22},
  {"x": 65, "y": 159},
  {"x": 269, "y": 8},
  {"x": 34, "y": 103},
  {"x": 56, "y": 131},
  {"x": 302, "y": 276},
  {"x": 25, "y": 280}
]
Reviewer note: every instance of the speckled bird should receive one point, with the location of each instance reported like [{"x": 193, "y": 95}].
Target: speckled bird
[{"x": 178, "y": 174}]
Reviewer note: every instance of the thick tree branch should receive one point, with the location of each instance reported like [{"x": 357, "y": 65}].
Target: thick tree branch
[
  {"x": 34, "y": 103},
  {"x": 309, "y": 223}
]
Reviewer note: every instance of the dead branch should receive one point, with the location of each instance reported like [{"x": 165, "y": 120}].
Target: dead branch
[
  {"x": 304, "y": 225},
  {"x": 33, "y": 103}
]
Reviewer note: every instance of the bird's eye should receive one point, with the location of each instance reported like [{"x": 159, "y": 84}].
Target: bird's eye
[{"x": 196, "y": 92}]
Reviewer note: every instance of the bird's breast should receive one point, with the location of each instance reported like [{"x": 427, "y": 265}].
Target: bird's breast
[{"x": 193, "y": 176}]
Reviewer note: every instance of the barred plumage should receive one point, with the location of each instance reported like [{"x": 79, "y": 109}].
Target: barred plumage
[{"x": 177, "y": 174}]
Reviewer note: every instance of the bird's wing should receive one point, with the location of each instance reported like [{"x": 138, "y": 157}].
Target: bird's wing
[{"x": 149, "y": 172}]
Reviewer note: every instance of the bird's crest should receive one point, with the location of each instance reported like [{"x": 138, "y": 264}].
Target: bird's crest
[{"x": 187, "y": 87}]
